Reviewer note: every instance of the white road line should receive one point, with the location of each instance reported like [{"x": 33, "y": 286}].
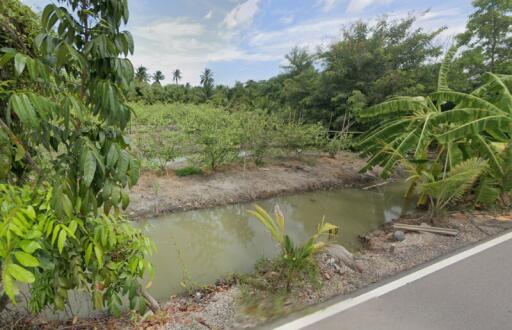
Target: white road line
[{"x": 382, "y": 290}]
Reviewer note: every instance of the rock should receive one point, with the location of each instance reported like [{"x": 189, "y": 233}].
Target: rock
[
  {"x": 399, "y": 235},
  {"x": 343, "y": 255}
]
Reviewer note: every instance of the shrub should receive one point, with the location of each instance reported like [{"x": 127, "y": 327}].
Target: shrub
[
  {"x": 299, "y": 137},
  {"x": 189, "y": 170},
  {"x": 160, "y": 147},
  {"x": 294, "y": 259},
  {"x": 338, "y": 143},
  {"x": 214, "y": 133}
]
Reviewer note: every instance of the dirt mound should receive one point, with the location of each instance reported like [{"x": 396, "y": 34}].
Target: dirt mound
[{"x": 156, "y": 195}]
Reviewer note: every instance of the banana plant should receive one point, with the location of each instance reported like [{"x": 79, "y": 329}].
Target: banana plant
[{"x": 435, "y": 134}]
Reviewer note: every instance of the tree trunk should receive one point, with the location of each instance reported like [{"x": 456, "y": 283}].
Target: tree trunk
[{"x": 150, "y": 301}]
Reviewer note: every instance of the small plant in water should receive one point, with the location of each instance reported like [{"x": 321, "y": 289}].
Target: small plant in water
[{"x": 295, "y": 260}]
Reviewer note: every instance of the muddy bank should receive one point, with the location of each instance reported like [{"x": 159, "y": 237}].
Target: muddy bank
[
  {"x": 156, "y": 195},
  {"x": 220, "y": 306}
]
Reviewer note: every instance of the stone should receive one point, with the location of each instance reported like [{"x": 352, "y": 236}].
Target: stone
[{"x": 399, "y": 236}]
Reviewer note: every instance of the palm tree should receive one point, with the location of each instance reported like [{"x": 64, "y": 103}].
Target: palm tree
[
  {"x": 298, "y": 61},
  {"x": 208, "y": 82},
  {"x": 176, "y": 76},
  {"x": 142, "y": 74},
  {"x": 158, "y": 77}
]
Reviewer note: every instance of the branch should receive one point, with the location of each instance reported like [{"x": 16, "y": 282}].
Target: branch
[
  {"x": 16, "y": 140},
  {"x": 150, "y": 301}
]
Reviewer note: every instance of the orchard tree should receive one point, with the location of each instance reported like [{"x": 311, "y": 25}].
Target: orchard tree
[{"x": 64, "y": 123}]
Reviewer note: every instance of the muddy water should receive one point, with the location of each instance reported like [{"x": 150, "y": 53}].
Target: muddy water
[{"x": 198, "y": 247}]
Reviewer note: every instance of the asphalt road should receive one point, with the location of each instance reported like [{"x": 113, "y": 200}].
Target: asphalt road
[{"x": 474, "y": 293}]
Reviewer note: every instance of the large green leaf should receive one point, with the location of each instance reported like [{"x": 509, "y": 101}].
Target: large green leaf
[
  {"x": 20, "y": 273},
  {"x": 26, "y": 259},
  {"x": 89, "y": 167}
]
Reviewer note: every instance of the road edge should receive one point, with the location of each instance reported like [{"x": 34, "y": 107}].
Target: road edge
[{"x": 331, "y": 308}]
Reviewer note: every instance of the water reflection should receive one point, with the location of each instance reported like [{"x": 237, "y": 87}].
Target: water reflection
[{"x": 201, "y": 246}]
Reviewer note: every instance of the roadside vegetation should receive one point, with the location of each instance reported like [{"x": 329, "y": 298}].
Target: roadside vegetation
[
  {"x": 456, "y": 146},
  {"x": 65, "y": 160},
  {"x": 78, "y": 122}
]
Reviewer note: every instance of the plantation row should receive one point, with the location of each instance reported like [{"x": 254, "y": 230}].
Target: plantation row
[{"x": 210, "y": 137}]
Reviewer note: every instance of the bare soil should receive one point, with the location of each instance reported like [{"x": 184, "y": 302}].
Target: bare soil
[{"x": 156, "y": 195}]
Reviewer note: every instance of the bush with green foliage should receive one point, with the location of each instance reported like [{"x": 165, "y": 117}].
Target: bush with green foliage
[
  {"x": 188, "y": 171},
  {"x": 294, "y": 259},
  {"x": 213, "y": 136},
  {"x": 71, "y": 111}
]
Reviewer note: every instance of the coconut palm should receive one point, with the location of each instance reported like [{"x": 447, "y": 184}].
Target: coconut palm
[
  {"x": 208, "y": 82},
  {"x": 158, "y": 77},
  {"x": 142, "y": 74},
  {"x": 298, "y": 60},
  {"x": 176, "y": 76}
]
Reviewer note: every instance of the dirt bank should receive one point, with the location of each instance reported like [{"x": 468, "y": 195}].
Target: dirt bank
[{"x": 163, "y": 194}]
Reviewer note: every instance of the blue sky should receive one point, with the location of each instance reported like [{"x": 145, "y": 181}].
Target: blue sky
[{"x": 247, "y": 39}]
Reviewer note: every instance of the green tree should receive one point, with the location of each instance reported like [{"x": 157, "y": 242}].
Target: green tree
[
  {"x": 158, "y": 77},
  {"x": 389, "y": 58},
  {"x": 488, "y": 37},
  {"x": 66, "y": 123},
  {"x": 298, "y": 61},
  {"x": 141, "y": 74},
  {"x": 207, "y": 82},
  {"x": 176, "y": 76}
]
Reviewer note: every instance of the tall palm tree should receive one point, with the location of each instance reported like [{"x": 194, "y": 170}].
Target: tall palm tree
[
  {"x": 158, "y": 77},
  {"x": 298, "y": 61},
  {"x": 142, "y": 74},
  {"x": 176, "y": 76},
  {"x": 208, "y": 82}
]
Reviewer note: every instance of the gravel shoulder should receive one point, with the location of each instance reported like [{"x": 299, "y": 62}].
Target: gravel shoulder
[{"x": 156, "y": 195}]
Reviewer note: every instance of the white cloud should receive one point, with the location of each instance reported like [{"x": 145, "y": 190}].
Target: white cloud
[
  {"x": 242, "y": 14},
  {"x": 356, "y": 6},
  {"x": 209, "y": 15},
  {"x": 188, "y": 45},
  {"x": 170, "y": 30},
  {"x": 288, "y": 19},
  {"x": 310, "y": 35},
  {"x": 327, "y": 4}
]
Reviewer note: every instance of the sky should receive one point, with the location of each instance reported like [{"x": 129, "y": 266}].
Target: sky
[{"x": 248, "y": 39}]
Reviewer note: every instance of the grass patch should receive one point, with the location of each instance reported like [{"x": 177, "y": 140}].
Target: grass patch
[
  {"x": 188, "y": 171},
  {"x": 264, "y": 292}
]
